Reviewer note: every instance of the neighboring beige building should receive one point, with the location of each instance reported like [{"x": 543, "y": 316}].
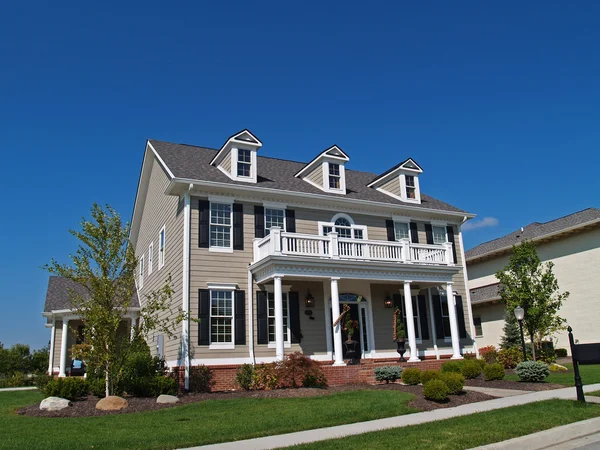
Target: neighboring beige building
[
  {"x": 266, "y": 253},
  {"x": 572, "y": 243}
]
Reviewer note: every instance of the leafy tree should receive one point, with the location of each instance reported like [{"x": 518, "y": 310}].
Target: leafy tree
[
  {"x": 105, "y": 265},
  {"x": 528, "y": 282},
  {"x": 512, "y": 333},
  {"x": 39, "y": 360}
]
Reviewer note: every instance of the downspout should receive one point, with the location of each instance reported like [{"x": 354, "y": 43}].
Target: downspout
[
  {"x": 251, "y": 317},
  {"x": 185, "y": 325},
  {"x": 468, "y": 291}
]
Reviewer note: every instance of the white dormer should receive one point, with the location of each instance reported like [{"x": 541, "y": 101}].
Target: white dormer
[
  {"x": 327, "y": 171},
  {"x": 401, "y": 182},
  {"x": 237, "y": 157}
]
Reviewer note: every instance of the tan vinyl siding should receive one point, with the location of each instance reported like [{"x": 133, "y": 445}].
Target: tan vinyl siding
[
  {"x": 307, "y": 221},
  {"x": 392, "y": 186},
  {"x": 162, "y": 210},
  {"x": 57, "y": 343},
  {"x": 226, "y": 163},
  {"x": 316, "y": 176}
]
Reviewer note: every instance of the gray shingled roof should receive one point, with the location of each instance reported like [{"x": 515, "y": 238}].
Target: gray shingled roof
[
  {"x": 534, "y": 230},
  {"x": 485, "y": 293},
  {"x": 57, "y": 295},
  {"x": 186, "y": 161}
]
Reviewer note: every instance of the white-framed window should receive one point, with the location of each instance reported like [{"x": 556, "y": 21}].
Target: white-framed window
[
  {"x": 416, "y": 315},
  {"x": 150, "y": 257},
  {"x": 244, "y": 163},
  {"x": 141, "y": 264},
  {"x": 411, "y": 189},
  {"x": 274, "y": 217},
  {"x": 445, "y": 315},
  {"x": 335, "y": 176},
  {"x": 271, "y": 317},
  {"x": 478, "y": 327},
  {"x": 344, "y": 226},
  {"x": 401, "y": 230},
  {"x": 439, "y": 234},
  {"x": 221, "y": 318},
  {"x": 220, "y": 225},
  {"x": 162, "y": 243}
]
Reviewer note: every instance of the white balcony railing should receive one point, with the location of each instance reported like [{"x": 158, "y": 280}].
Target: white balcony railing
[{"x": 334, "y": 247}]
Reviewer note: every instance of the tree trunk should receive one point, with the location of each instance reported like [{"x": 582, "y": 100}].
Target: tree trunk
[
  {"x": 532, "y": 347},
  {"x": 106, "y": 380}
]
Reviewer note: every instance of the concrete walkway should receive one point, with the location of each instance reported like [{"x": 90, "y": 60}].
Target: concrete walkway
[
  {"x": 495, "y": 392},
  {"x": 26, "y": 388},
  {"x": 303, "y": 437}
]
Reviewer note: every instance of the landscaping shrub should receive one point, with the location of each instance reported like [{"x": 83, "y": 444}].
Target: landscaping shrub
[
  {"x": 453, "y": 381},
  {"x": 471, "y": 369},
  {"x": 165, "y": 385},
  {"x": 70, "y": 388},
  {"x": 146, "y": 386},
  {"x": 201, "y": 379},
  {"x": 411, "y": 376},
  {"x": 314, "y": 380},
  {"x": 388, "y": 373},
  {"x": 493, "y": 372},
  {"x": 140, "y": 372},
  {"x": 533, "y": 371},
  {"x": 510, "y": 357},
  {"x": 547, "y": 355},
  {"x": 561, "y": 352},
  {"x": 489, "y": 354},
  {"x": 298, "y": 370},
  {"x": 428, "y": 375},
  {"x": 436, "y": 390},
  {"x": 243, "y": 376},
  {"x": 557, "y": 368},
  {"x": 469, "y": 355},
  {"x": 41, "y": 381},
  {"x": 452, "y": 366},
  {"x": 17, "y": 379},
  {"x": 265, "y": 377}
]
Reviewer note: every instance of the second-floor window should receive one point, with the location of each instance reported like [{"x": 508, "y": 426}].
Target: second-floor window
[
  {"x": 334, "y": 176},
  {"x": 401, "y": 230},
  {"x": 220, "y": 225},
  {"x": 274, "y": 218},
  {"x": 439, "y": 235},
  {"x": 344, "y": 228},
  {"x": 161, "y": 248},
  {"x": 244, "y": 163},
  {"x": 141, "y": 283},
  {"x": 150, "y": 258}
]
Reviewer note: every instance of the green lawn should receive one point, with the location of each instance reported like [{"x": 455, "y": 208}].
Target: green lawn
[
  {"x": 589, "y": 375},
  {"x": 193, "y": 424},
  {"x": 469, "y": 431}
]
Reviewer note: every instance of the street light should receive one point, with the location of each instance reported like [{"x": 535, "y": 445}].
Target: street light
[{"x": 520, "y": 315}]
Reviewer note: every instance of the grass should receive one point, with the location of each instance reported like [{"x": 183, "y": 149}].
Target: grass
[
  {"x": 469, "y": 431},
  {"x": 589, "y": 375},
  {"x": 201, "y": 423}
]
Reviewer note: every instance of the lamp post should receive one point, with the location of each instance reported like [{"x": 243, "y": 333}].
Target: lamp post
[{"x": 520, "y": 314}]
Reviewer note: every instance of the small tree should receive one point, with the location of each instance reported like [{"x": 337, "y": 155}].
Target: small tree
[
  {"x": 528, "y": 282},
  {"x": 512, "y": 333},
  {"x": 104, "y": 265}
]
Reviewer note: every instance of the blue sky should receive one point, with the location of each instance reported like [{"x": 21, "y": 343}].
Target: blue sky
[{"x": 499, "y": 103}]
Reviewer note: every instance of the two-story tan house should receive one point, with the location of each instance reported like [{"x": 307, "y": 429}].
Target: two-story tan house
[{"x": 265, "y": 253}]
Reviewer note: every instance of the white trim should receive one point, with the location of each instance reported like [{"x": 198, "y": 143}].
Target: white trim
[
  {"x": 393, "y": 173},
  {"x": 438, "y": 223},
  {"x": 432, "y": 323},
  {"x": 270, "y": 288},
  {"x": 227, "y": 288},
  {"x": 324, "y": 153},
  {"x": 150, "y": 257},
  {"x": 234, "y": 165},
  {"x": 342, "y": 177},
  {"x": 221, "y": 199},
  {"x": 285, "y": 290},
  {"x": 272, "y": 208},
  {"x": 160, "y": 160},
  {"x": 343, "y": 216},
  {"x": 250, "y": 310},
  {"x": 244, "y": 360},
  {"x": 52, "y": 342},
  {"x": 274, "y": 205},
  {"x": 467, "y": 291},
  {"x": 221, "y": 249},
  {"x": 233, "y": 140},
  {"x": 142, "y": 267},
  {"x": 221, "y": 286},
  {"x": 185, "y": 296},
  {"x": 162, "y": 251}
]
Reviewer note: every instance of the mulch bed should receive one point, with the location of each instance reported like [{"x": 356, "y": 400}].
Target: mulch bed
[
  {"x": 516, "y": 385},
  {"x": 87, "y": 407}
]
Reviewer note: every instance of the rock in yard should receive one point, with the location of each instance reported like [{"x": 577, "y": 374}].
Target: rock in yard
[
  {"x": 167, "y": 399},
  {"x": 557, "y": 368},
  {"x": 55, "y": 404},
  {"x": 112, "y": 403}
]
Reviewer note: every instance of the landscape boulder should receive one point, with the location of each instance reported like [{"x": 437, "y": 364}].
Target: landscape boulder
[
  {"x": 167, "y": 399},
  {"x": 54, "y": 404},
  {"x": 112, "y": 403}
]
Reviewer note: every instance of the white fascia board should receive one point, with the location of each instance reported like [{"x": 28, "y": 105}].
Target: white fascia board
[
  {"x": 232, "y": 140},
  {"x": 221, "y": 286}
]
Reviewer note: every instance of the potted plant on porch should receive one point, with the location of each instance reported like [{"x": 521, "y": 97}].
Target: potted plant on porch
[
  {"x": 350, "y": 327},
  {"x": 399, "y": 334}
]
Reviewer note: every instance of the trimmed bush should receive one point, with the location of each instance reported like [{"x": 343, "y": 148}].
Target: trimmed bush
[
  {"x": 510, "y": 357},
  {"x": 243, "y": 376},
  {"x": 561, "y": 352},
  {"x": 489, "y": 354},
  {"x": 533, "y": 371},
  {"x": 452, "y": 366},
  {"x": 145, "y": 386},
  {"x": 201, "y": 379},
  {"x": 428, "y": 375},
  {"x": 70, "y": 388},
  {"x": 297, "y": 370},
  {"x": 436, "y": 390},
  {"x": 388, "y": 373},
  {"x": 165, "y": 385},
  {"x": 471, "y": 369},
  {"x": 494, "y": 372},
  {"x": 265, "y": 377},
  {"x": 314, "y": 380},
  {"x": 96, "y": 386},
  {"x": 411, "y": 376},
  {"x": 454, "y": 382},
  {"x": 481, "y": 363}
]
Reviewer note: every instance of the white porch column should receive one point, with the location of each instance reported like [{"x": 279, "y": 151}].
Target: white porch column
[
  {"x": 51, "y": 355},
  {"x": 337, "y": 329},
  {"x": 279, "y": 344},
  {"x": 453, "y": 322},
  {"x": 328, "y": 320},
  {"x": 63, "y": 348},
  {"x": 410, "y": 323}
]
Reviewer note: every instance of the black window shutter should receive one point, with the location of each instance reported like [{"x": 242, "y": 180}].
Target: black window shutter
[
  {"x": 423, "y": 317},
  {"x": 262, "y": 322},
  {"x": 450, "y": 232},
  {"x": 238, "y": 226},
  {"x": 398, "y": 304},
  {"x": 290, "y": 221},
  {"x": 429, "y": 233},
  {"x": 437, "y": 313},
  {"x": 203, "y": 317},
  {"x": 460, "y": 317},
  {"x": 204, "y": 223},
  {"x": 391, "y": 233},
  {"x": 294, "y": 299},
  {"x": 414, "y": 233},
  {"x": 259, "y": 221},
  {"x": 240, "y": 317}
]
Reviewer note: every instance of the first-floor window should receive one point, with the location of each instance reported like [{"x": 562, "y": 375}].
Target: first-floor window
[
  {"x": 478, "y": 327},
  {"x": 221, "y": 316},
  {"x": 416, "y": 321},
  {"x": 271, "y": 317},
  {"x": 445, "y": 315},
  {"x": 401, "y": 230}
]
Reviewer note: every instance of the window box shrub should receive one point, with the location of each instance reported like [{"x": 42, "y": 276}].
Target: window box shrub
[
  {"x": 436, "y": 390},
  {"x": 494, "y": 372},
  {"x": 532, "y": 371},
  {"x": 411, "y": 376},
  {"x": 388, "y": 373}
]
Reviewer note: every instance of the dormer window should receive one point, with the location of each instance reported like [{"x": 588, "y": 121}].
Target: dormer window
[
  {"x": 334, "y": 176},
  {"x": 244, "y": 163},
  {"x": 237, "y": 157},
  {"x": 411, "y": 191},
  {"x": 327, "y": 172},
  {"x": 401, "y": 182}
]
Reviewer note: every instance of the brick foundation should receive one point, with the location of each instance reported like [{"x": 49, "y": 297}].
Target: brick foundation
[{"x": 224, "y": 376}]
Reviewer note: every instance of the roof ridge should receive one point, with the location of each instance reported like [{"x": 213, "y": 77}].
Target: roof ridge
[{"x": 568, "y": 215}]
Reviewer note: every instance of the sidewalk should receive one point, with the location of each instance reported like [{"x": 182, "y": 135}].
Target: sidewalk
[
  {"x": 303, "y": 437},
  {"x": 26, "y": 388}
]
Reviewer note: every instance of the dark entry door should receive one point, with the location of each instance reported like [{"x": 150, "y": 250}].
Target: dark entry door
[{"x": 357, "y": 336}]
